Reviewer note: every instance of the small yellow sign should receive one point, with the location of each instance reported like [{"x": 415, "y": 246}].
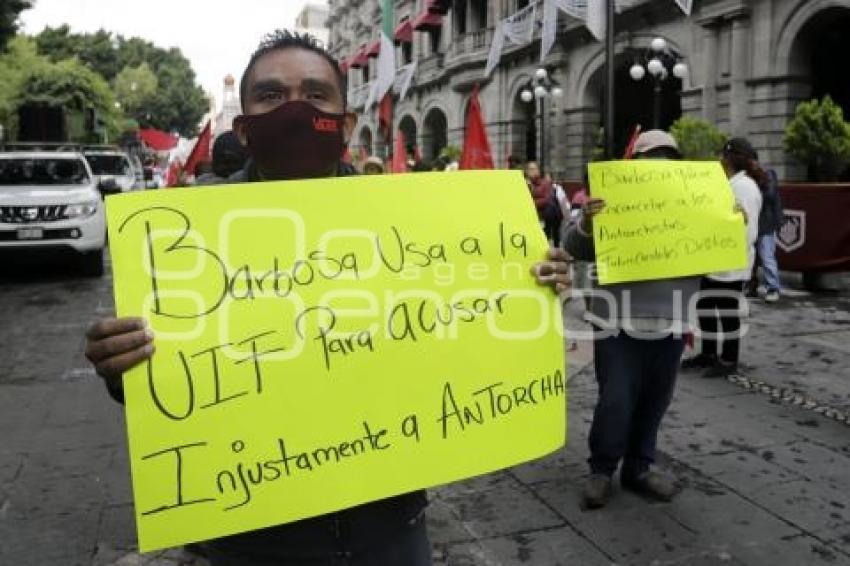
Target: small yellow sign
[
  {"x": 322, "y": 344},
  {"x": 664, "y": 219}
]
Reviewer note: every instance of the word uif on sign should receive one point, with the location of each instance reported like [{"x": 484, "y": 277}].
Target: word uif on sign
[
  {"x": 323, "y": 344},
  {"x": 664, "y": 219}
]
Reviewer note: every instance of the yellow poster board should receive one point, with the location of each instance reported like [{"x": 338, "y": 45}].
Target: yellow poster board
[
  {"x": 322, "y": 344},
  {"x": 664, "y": 219}
]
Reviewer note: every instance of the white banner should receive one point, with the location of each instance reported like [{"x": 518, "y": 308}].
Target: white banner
[
  {"x": 591, "y": 12},
  {"x": 686, "y": 6},
  {"x": 386, "y": 72},
  {"x": 495, "y": 50},
  {"x": 573, "y": 8},
  {"x": 518, "y": 29},
  {"x": 403, "y": 80}
]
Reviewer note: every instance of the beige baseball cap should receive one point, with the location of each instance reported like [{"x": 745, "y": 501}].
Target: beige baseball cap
[{"x": 654, "y": 139}]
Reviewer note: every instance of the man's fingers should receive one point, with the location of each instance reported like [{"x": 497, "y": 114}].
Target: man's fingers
[
  {"x": 558, "y": 254},
  {"x": 113, "y": 368},
  {"x": 116, "y": 345},
  {"x": 111, "y": 326},
  {"x": 546, "y": 269},
  {"x": 563, "y": 283}
]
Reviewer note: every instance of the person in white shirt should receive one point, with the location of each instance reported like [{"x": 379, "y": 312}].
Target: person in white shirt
[{"x": 723, "y": 292}]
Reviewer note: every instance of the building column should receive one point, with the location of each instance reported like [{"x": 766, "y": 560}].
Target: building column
[
  {"x": 710, "y": 55},
  {"x": 738, "y": 96}
]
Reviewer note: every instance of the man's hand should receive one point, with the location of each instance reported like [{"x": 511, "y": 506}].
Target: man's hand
[
  {"x": 555, "y": 272},
  {"x": 590, "y": 209},
  {"x": 114, "y": 345}
]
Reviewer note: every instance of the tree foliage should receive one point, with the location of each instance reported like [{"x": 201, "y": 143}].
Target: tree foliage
[
  {"x": 133, "y": 86},
  {"x": 176, "y": 103},
  {"x": 698, "y": 140},
  {"x": 9, "y": 12},
  {"x": 451, "y": 152},
  {"x": 819, "y": 137},
  {"x": 30, "y": 78},
  {"x": 19, "y": 58}
]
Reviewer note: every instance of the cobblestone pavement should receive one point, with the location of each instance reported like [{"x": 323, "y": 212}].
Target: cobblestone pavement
[{"x": 764, "y": 458}]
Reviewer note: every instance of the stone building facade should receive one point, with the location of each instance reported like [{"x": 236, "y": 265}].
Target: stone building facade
[{"x": 750, "y": 63}]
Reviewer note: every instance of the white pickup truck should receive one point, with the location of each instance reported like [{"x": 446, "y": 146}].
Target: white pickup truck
[{"x": 49, "y": 200}]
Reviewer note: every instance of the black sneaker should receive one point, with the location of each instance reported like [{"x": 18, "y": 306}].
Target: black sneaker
[
  {"x": 700, "y": 361},
  {"x": 720, "y": 369},
  {"x": 651, "y": 484},
  {"x": 597, "y": 490}
]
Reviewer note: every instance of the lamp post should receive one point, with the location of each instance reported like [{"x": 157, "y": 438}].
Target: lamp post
[
  {"x": 660, "y": 64},
  {"x": 540, "y": 89}
]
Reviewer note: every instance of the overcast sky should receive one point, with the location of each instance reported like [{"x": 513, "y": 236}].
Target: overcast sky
[{"x": 216, "y": 36}]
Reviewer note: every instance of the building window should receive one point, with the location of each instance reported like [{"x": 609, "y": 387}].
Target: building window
[
  {"x": 435, "y": 36},
  {"x": 406, "y": 53},
  {"x": 364, "y": 73},
  {"x": 459, "y": 13},
  {"x": 479, "y": 14}
]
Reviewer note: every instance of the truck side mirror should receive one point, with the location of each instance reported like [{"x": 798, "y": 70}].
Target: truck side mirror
[{"x": 108, "y": 187}]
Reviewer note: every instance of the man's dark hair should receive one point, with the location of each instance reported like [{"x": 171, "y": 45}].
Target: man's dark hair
[
  {"x": 228, "y": 155},
  {"x": 285, "y": 39}
]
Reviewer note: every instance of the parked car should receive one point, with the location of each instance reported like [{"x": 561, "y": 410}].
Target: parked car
[
  {"x": 112, "y": 170},
  {"x": 49, "y": 201}
]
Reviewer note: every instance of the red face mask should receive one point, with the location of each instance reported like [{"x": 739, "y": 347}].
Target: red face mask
[{"x": 296, "y": 140}]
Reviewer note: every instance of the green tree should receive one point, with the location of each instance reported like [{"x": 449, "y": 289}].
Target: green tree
[
  {"x": 819, "y": 137},
  {"x": 98, "y": 51},
  {"x": 10, "y": 10},
  {"x": 451, "y": 152},
  {"x": 74, "y": 87},
  {"x": 58, "y": 43},
  {"x": 19, "y": 59},
  {"x": 177, "y": 103},
  {"x": 698, "y": 140},
  {"x": 133, "y": 86}
]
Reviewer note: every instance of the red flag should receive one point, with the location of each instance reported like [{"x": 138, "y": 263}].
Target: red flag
[
  {"x": 630, "y": 148},
  {"x": 476, "y": 146},
  {"x": 157, "y": 140},
  {"x": 399, "y": 162},
  {"x": 201, "y": 151},
  {"x": 346, "y": 157},
  {"x": 385, "y": 116},
  {"x": 172, "y": 176},
  {"x": 363, "y": 154},
  {"x": 417, "y": 154}
]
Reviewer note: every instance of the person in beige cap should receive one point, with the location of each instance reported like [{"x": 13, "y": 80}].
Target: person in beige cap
[
  {"x": 638, "y": 342},
  {"x": 373, "y": 166}
]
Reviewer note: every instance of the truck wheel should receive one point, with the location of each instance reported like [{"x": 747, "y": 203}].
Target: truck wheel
[{"x": 92, "y": 263}]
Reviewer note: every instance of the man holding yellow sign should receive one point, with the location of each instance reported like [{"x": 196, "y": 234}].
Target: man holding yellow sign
[
  {"x": 295, "y": 126},
  {"x": 653, "y": 226}
]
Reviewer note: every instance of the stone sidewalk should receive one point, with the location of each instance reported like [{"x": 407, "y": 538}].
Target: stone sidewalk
[{"x": 765, "y": 479}]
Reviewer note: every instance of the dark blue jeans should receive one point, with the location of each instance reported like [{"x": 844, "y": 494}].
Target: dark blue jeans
[
  {"x": 382, "y": 533},
  {"x": 636, "y": 380}
]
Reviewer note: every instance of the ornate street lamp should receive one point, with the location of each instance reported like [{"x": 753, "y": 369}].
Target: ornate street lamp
[
  {"x": 540, "y": 89},
  {"x": 661, "y": 64}
]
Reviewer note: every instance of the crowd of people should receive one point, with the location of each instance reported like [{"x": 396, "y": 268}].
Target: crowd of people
[{"x": 291, "y": 83}]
